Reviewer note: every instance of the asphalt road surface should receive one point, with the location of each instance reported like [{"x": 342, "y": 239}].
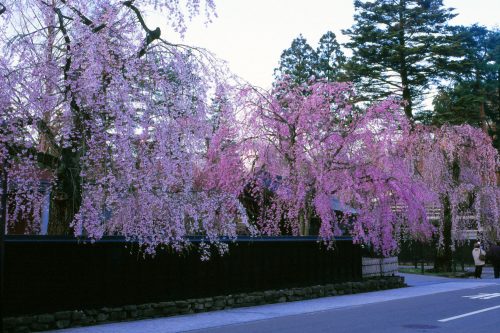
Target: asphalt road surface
[
  {"x": 469, "y": 310},
  {"x": 430, "y": 304}
]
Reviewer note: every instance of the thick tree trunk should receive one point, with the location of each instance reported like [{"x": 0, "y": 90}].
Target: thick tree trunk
[
  {"x": 482, "y": 113},
  {"x": 403, "y": 70},
  {"x": 406, "y": 95},
  {"x": 67, "y": 195},
  {"x": 482, "y": 117},
  {"x": 306, "y": 224},
  {"x": 444, "y": 256}
]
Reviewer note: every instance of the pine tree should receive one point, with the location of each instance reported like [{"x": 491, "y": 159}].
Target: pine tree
[
  {"x": 301, "y": 62},
  {"x": 473, "y": 95},
  {"x": 398, "y": 47},
  {"x": 331, "y": 59},
  {"x": 298, "y": 62}
]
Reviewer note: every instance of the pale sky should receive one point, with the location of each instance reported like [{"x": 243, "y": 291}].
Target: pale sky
[{"x": 251, "y": 34}]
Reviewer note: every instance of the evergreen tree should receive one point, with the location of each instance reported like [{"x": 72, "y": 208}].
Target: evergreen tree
[
  {"x": 301, "y": 62},
  {"x": 398, "y": 47},
  {"x": 473, "y": 96},
  {"x": 331, "y": 59},
  {"x": 456, "y": 105}
]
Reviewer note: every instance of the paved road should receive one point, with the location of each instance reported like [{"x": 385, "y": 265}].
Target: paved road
[
  {"x": 442, "y": 312},
  {"x": 431, "y": 304}
]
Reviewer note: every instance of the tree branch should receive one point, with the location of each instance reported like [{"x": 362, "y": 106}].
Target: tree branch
[
  {"x": 44, "y": 128},
  {"x": 67, "y": 43},
  {"x": 2, "y": 8},
  {"x": 85, "y": 20},
  {"x": 67, "y": 66},
  {"x": 151, "y": 35}
]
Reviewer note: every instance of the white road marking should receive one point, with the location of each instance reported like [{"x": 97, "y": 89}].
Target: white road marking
[
  {"x": 483, "y": 296},
  {"x": 469, "y": 314}
]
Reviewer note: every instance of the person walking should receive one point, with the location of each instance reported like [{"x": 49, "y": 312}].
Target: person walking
[
  {"x": 493, "y": 256},
  {"x": 479, "y": 259}
]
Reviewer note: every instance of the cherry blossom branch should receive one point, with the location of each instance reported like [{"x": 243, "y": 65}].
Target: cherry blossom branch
[
  {"x": 151, "y": 35},
  {"x": 67, "y": 66},
  {"x": 2, "y": 8},
  {"x": 85, "y": 20},
  {"x": 67, "y": 43}
]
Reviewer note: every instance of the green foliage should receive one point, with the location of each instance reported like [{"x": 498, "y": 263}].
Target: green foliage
[
  {"x": 473, "y": 95},
  {"x": 298, "y": 61},
  {"x": 331, "y": 59},
  {"x": 301, "y": 62},
  {"x": 457, "y": 105},
  {"x": 399, "y": 47}
]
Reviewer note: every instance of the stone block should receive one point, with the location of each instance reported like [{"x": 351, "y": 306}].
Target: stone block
[
  {"x": 148, "y": 313},
  {"x": 166, "y": 304},
  {"x": 62, "y": 315},
  {"x": 22, "y": 329},
  {"x": 220, "y": 302},
  {"x": 118, "y": 315},
  {"x": 298, "y": 292},
  {"x": 62, "y": 323},
  {"x": 257, "y": 294},
  {"x": 45, "y": 318},
  {"x": 250, "y": 299},
  {"x": 39, "y": 326},
  {"x": 9, "y": 322},
  {"x": 25, "y": 320},
  {"x": 102, "y": 317},
  {"x": 182, "y": 304},
  {"x": 77, "y": 315},
  {"x": 269, "y": 295},
  {"x": 144, "y": 306},
  {"x": 130, "y": 307},
  {"x": 86, "y": 321},
  {"x": 91, "y": 312}
]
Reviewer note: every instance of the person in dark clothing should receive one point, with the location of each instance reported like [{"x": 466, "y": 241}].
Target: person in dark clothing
[{"x": 493, "y": 256}]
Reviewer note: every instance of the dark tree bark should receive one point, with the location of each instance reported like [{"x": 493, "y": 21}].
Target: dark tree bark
[{"x": 444, "y": 256}]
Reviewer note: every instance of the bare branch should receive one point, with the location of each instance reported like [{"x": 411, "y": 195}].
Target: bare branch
[
  {"x": 67, "y": 66},
  {"x": 151, "y": 35},
  {"x": 85, "y": 20},
  {"x": 67, "y": 42}
]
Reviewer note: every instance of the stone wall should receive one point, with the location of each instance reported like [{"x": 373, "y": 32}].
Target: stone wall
[
  {"x": 379, "y": 266},
  {"x": 65, "y": 319}
]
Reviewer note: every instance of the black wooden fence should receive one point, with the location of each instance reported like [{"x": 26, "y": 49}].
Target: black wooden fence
[
  {"x": 417, "y": 252},
  {"x": 45, "y": 274}
]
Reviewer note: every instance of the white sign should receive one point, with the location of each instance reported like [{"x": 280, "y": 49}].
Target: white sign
[{"x": 483, "y": 296}]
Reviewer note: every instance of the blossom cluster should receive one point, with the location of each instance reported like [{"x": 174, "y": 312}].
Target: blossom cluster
[{"x": 155, "y": 141}]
